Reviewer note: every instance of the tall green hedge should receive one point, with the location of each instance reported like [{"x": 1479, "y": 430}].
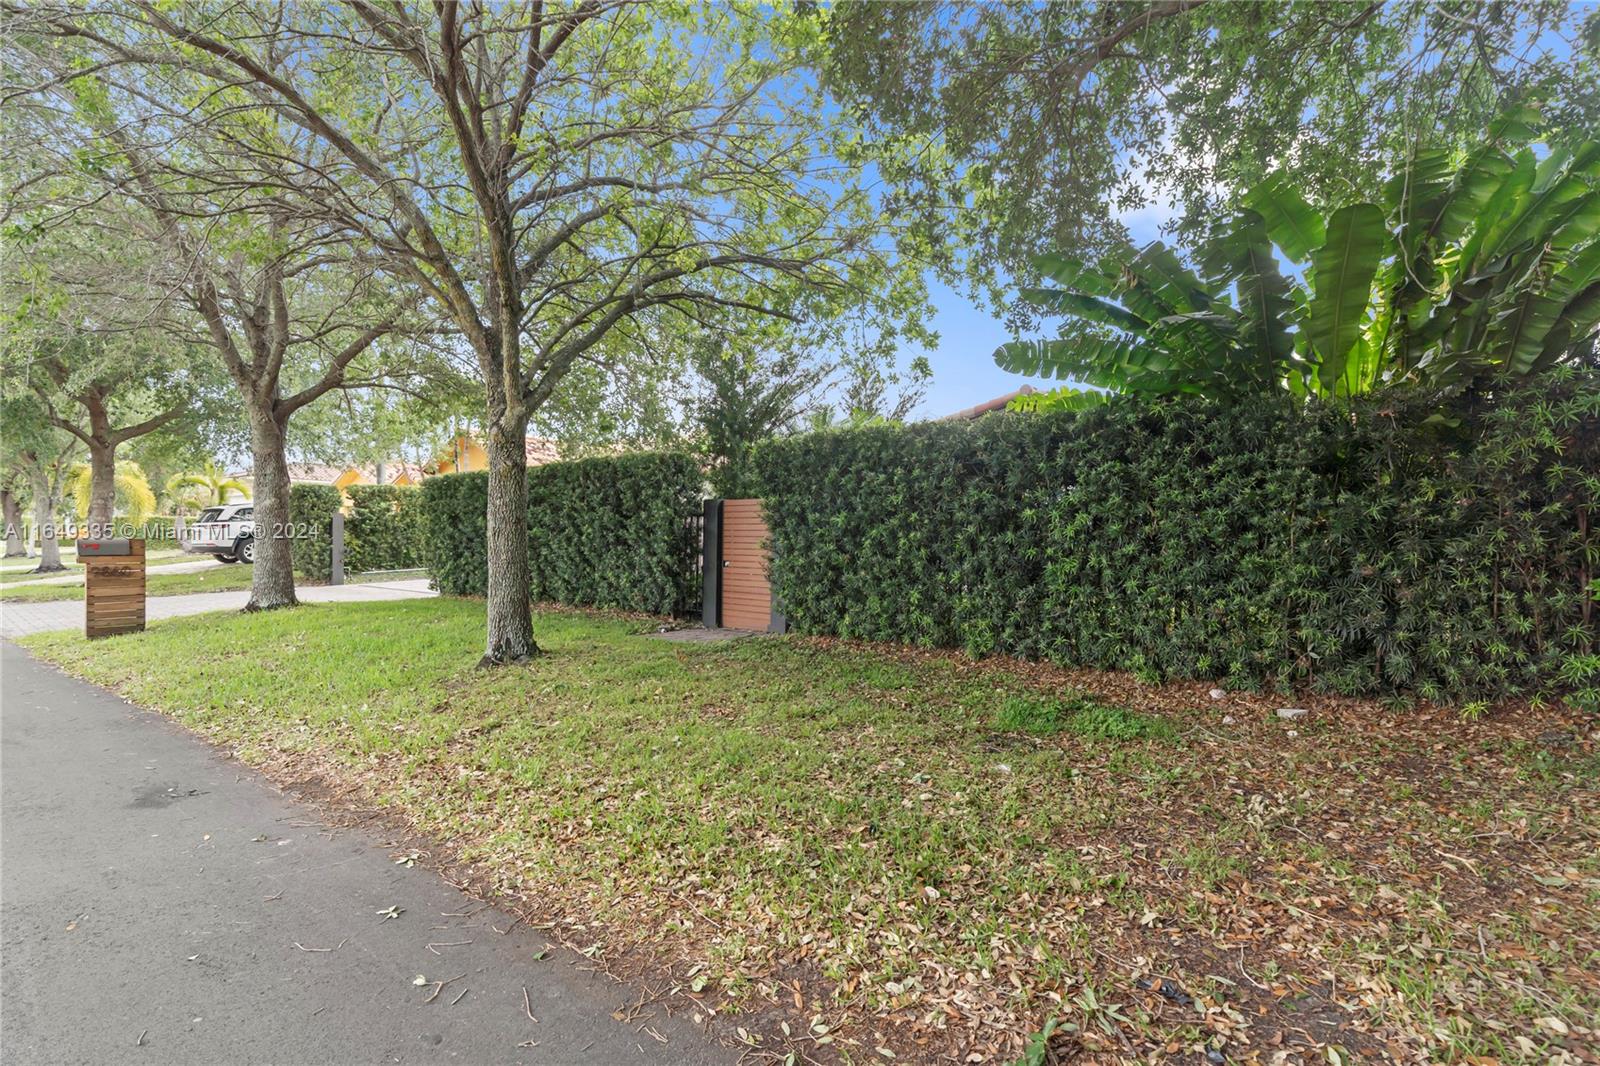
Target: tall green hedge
[
  {"x": 1262, "y": 544},
  {"x": 384, "y": 528},
  {"x": 455, "y": 533},
  {"x": 311, "y": 511},
  {"x": 605, "y": 532}
]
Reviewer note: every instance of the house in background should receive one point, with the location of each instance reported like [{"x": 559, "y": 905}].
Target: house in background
[
  {"x": 398, "y": 472},
  {"x": 464, "y": 454}
]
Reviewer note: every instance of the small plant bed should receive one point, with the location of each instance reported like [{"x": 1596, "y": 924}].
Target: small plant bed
[
  {"x": 874, "y": 855},
  {"x": 220, "y": 579}
]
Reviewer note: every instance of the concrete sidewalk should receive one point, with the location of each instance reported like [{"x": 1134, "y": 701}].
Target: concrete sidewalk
[
  {"x": 163, "y": 904},
  {"x": 21, "y": 619}
]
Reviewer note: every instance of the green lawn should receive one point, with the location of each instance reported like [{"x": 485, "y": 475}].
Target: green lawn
[
  {"x": 21, "y": 570},
  {"x": 913, "y": 852},
  {"x": 156, "y": 584}
]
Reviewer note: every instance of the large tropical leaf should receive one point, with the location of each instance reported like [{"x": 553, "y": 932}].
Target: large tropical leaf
[
  {"x": 1489, "y": 268},
  {"x": 1564, "y": 185},
  {"x": 1072, "y": 273},
  {"x": 1413, "y": 197},
  {"x": 1505, "y": 205},
  {"x": 1578, "y": 325},
  {"x": 1241, "y": 253},
  {"x": 1475, "y": 184},
  {"x": 1178, "y": 287},
  {"x": 1341, "y": 286},
  {"x": 1090, "y": 308},
  {"x": 1524, "y": 319},
  {"x": 1066, "y": 398},
  {"x": 1292, "y": 223},
  {"x": 1096, "y": 360}
]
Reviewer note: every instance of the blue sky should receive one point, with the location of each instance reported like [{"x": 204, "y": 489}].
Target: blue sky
[{"x": 964, "y": 372}]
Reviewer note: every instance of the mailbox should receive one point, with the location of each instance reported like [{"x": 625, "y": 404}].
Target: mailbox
[
  {"x": 113, "y": 586},
  {"x": 98, "y": 548}
]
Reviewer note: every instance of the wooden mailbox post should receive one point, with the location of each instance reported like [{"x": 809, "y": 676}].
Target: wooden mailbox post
[{"x": 113, "y": 586}]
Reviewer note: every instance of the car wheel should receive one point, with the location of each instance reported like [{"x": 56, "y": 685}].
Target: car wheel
[
  {"x": 219, "y": 557},
  {"x": 247, "y": 550}
]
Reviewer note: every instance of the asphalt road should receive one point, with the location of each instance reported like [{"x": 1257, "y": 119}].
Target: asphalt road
[{"x": 163, "y": 904}]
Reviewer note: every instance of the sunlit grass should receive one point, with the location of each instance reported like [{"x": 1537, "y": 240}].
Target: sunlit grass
[{"x": 875, "y": 814}]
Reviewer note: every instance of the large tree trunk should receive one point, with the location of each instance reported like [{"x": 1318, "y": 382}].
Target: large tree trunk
[
  {"x": 45, "y": 503},
  {"x": 102, "y": 489},
  {"x": 272, "y": 583},
  {"x": 16, "y": 546},
  {"x": 510, "y": 618}
]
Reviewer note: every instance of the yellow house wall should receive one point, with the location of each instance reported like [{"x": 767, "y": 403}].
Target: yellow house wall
[{"x": 465, "y": 451}]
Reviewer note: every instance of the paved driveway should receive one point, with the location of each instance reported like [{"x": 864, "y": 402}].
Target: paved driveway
[
  {"x": 162, "y": 904},
  {"x": 21, "y": 619}
]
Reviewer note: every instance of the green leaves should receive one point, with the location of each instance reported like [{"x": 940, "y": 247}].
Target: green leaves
[
  {"x": 1142, "y": 321},
  {"x": 384, "y": 529},
  {"x": 603, "y": 532},
  {"x": 1242, "y": 252},
  {"x": 1477, "y": 272},
  {"x": 1065, "y": 398},
  {"x": 1341, "y": 279},
  {"x": 1292, "y": 223},
  {"x": 311, "y": 511},
  {"x": 1369, "y": 550}
]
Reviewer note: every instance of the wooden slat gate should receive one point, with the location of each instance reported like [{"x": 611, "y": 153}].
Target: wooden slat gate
[{"x": 738, "y": 593}]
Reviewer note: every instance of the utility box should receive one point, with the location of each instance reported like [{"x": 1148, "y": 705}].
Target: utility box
[{"x": 113, "y": 586}]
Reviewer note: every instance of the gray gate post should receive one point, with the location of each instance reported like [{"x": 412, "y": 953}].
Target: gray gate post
[
  {"x": 711, "y": 566},
  {"x": 336, "y": 568}
]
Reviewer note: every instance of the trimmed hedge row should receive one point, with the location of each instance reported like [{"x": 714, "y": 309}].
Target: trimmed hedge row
[
  {"x": 605, "y": 532},
  {"x": 384, "y": 528},
  {"x": 311, "y": 511},
  {"x": 1260, "y": 545}
]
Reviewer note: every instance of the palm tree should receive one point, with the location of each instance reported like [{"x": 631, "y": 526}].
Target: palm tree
[
  {"x": 214, "y": 485},
  {"x": 134, "y": 496}
]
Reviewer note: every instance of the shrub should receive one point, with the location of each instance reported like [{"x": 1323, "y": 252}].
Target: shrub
[
  {"x": 384, "y": 528},
  {"x": 311, "y": 511},
  {"x": 1261, "y": 544},
  {"x": 604, "y": 532},
  {"x": 455, "y": 534}
]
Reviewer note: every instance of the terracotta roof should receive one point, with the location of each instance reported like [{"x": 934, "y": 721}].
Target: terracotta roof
[
  {"x": 393, "y": 471},
  {"x": 540, "y": 450},
  {"x": 313, "y": 473},
  {"x": 327, "y": 473},
  {"x": 996, "y": 404}
]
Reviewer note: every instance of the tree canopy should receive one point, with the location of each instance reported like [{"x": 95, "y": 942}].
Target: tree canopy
[{"x": 1032, "y": 127}]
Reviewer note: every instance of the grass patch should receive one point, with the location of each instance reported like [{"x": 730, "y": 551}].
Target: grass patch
[
  {"x": 781, "y": 807},
  {"x": 1080, "y": 715},
  {"x": 220, "y": 579},
  {"x": 21, "y": 571}
]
